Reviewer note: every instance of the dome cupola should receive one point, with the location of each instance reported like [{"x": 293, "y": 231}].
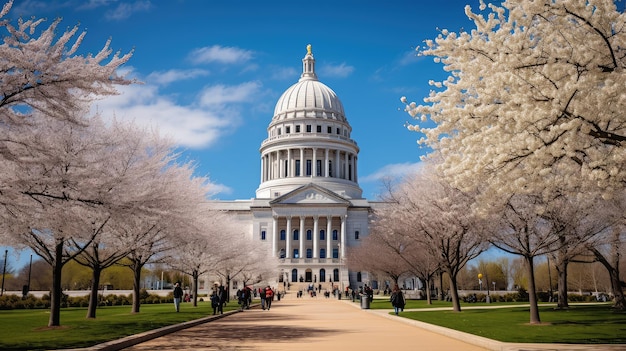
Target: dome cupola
[{"x": 309, "y": 140}]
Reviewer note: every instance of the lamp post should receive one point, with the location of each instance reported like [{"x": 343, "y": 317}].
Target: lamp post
[{"x": 480, "y": 283}]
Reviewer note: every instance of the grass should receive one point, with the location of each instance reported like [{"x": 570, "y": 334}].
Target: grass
[
  {"x": 580, "y": 324},
  {"x": 27, "y": 329}
]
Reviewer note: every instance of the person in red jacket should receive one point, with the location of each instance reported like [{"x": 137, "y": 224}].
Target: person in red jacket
[{"x": 269, "y": 296}]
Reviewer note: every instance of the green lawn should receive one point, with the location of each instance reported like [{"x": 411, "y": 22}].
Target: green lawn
[
  {"x": 580, "y": 324},
  {"x": 27, "y": 329}
]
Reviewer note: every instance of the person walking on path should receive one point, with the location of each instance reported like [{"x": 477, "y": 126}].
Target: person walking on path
[
  {"x": 397, "y": 299},
  {"x": 221, "y": 293},
  {"x": 215, "y": 302},
  {"x": 269, "y": 296},
  {"x": 178, "y": 296},
  {"x": 262, "y": 295}
]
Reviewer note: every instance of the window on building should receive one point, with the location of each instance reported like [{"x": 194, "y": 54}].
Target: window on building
[
  {"x": 296, "y": 234},
  {"x": 335, "y": 236},
  {"x": 350, "y": 172},
  {"x": 297, "y": 168},
  {"x": 329, "y": 130},
  {"x": 338, "y": 131},
  {"x": 359, "y": 277},
  {"x": 309, "y": 253},
  {"x": 296, "y": 253},
  {"x": 322, "y": 235},
  {"x": 263, "y": 235},
  {"x": 309, "y": 234},
  {"x": 330, "y": 168},
  {"x": 288, "y": 129},
  {"x": 319, "y": 129},
  {"x": 322, "y": 253},
  {"x": 356, "y": 235},
  {"x": 297, "y": 129},
  {"x": 308, "y": 167},
  {"x": 282, "y": 253},
  {"x": 308, "y": 128},
  {"x": 318, "y": 171},
  {"x": 279, "y": 131},
  {"x": 282, "y": 235},
  {"x": 286, "y": 169},
  {"x": 335, "y": 253}
]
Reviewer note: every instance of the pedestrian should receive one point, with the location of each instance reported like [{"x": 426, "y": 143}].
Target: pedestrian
[
  {"x": 178, "y": 295},
  {"x": 221, "y": 293},
  {"x": 262, "y": 294},
  {"x": 269, "y": 296},
  {"x": 215, "y": 302},
  {"x": 397, "y": 299}
]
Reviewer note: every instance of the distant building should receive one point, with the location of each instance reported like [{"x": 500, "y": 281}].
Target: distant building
[{"x": 308, "y": 207}]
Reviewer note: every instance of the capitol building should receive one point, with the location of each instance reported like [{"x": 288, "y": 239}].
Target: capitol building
[{"x": 308, "y": 209}]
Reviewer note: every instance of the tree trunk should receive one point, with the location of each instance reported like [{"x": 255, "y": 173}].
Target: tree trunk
[
  {"x": 55, "y": 294},
  {"x": 456, "y": 304},
  {"x": 195, "y": 288},
  {"x": 613, "y": 268},
  {"x": 441, "y": 295},
  {"x": 93, "y": 296},
  {"x": 561, "y": 269},
  {"x": 427, "y": 284},
  {"x": 532, "y": 291},
  {"x": 136, "y": 284}
]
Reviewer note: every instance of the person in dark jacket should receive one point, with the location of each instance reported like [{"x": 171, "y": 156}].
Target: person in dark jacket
[
  {"x": 178, "y": 296},
  {"x": 397, "y": 299}
]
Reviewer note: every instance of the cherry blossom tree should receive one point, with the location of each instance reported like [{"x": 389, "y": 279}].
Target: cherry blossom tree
[
  {"x": 442, "y": 222},
  {"x": 43, "y": 73},
  {"x": 536, "y": 86}
]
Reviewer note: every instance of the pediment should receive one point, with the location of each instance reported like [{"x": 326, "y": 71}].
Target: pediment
[{"x": 310, "y": 194}]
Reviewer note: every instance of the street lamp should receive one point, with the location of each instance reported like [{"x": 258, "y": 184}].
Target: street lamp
[{"x": 480, "y": 283}]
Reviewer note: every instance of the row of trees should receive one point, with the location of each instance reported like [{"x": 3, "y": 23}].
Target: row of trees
[
  {"x": 74, "y": 187},
  {"x": 528, "y": 135}
]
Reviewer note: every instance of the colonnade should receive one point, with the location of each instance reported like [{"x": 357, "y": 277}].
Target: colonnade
[
  {"x": 293, "y": 163},
  {"x": 318, "y": 225}
]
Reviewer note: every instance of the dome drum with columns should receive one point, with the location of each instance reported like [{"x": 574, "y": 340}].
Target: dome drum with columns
[{"x": 308, "y": 207}]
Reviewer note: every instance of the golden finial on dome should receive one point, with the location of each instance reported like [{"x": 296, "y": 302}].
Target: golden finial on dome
[{"x": 308, "y": 50}]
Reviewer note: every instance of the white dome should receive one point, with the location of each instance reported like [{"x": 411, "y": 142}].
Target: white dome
[{"x": 309, "y": 98}]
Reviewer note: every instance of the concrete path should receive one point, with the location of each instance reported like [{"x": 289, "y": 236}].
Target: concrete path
[{"x": 305, "y": 324}]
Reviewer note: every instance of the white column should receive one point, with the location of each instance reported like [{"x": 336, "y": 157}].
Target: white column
[
  {"x": 302, "y": 237},
  {"x": 337, "y": 164},
  {"x": 345, "y": 166},
  {"x": 316, "y": 236},
  {"x": 326, "y": 160},
  {"x": 274, "y": 236},
  {"x": 262, "y": 169},
  {"x": 354, "y": 169},
  {"x": 343, "y": 237},
  {"x": 301, "y": 162},
  {"x": 314, "y": 168},
  {"x": 289, "y": 164},
  {"x": 329, "y": 222},
  {"x": 288, "y": 239},
  {"x": 280, "y": 165}
]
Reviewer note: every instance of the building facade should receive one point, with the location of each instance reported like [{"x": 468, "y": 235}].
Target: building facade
[{"x": 308, "y": 208}]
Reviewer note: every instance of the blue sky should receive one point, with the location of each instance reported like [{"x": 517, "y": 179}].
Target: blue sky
[{"x": 212, "y": 72}]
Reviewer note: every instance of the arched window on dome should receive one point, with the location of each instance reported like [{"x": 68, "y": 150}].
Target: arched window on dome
[
  {"x": 309, "y": 234},
  {"x": 308, "y": 167},
  {"x": 322, "y": 234},
  {"x": 330, "y": 168},
  {"x": 335, "y": 235},
  {"x": 296, "y": 234},
  {"x": 318, "y": 170},
  {"x": 297, "y": 168},
  {"x": 282, "y": 235}
]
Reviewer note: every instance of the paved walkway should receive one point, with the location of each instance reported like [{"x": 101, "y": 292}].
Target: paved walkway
[
  {"x": 305, "y": 324},
  {"x": 321, "y": 324}
]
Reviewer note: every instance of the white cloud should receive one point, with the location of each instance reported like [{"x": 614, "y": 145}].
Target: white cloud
[
  {"x": 392, "y": 171},
  {"x": 342, "y": 70},
  {"x": 175, "y": 75},
  {"x": 125, "y": 10},
  {"x": 220, "y": 54},
  {"x": 216, "y": 112},
  {"x": 221, "y": 94}
]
